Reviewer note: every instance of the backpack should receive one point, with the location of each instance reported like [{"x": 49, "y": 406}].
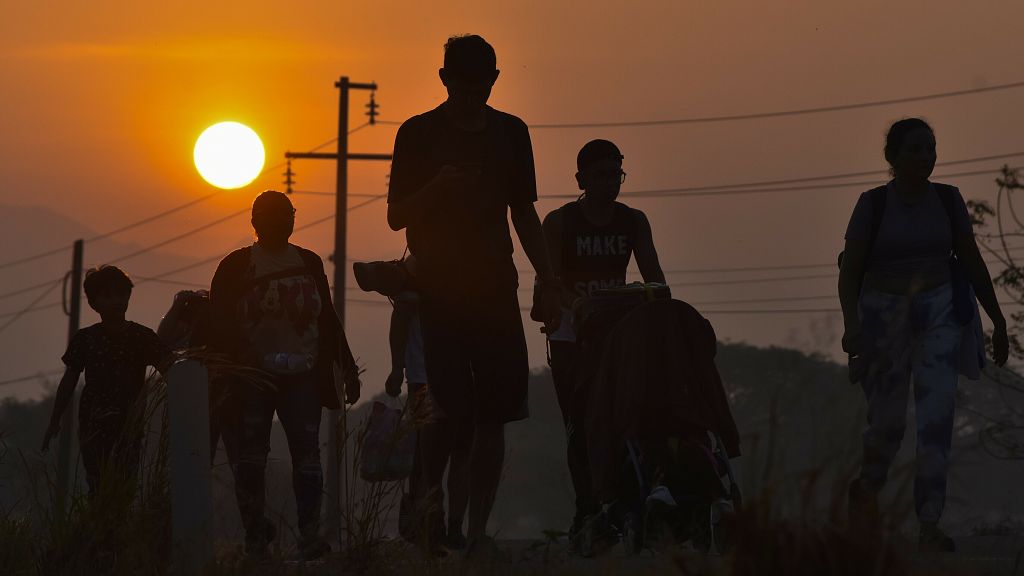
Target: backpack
[
  {"x": 230, "y": 281},
  {"x": 963, "y": 294}
]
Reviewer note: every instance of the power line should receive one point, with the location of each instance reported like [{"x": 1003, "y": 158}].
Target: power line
[
  {"x": 700, "y": 191},
  {"x": 780, "y": 113},
  {"x": 849, "y": 174},
  {"x": 219, "y": 257},
  {"x": 27, "y": 378},
  {"x": 331, "y": 194},
  {"x": 761, "y": 115},
  {"x": 31, "y": 309},
  {"x": 755, "y": 280},
  {"x": 775, "y": 311},
  {"x": 158, "y": 215},
  {"x": 182, "y": 236},
  {"x": 29, "y": 288},
  {"x": 330, "y": 141},
  {"x": 15, "y": 316}
]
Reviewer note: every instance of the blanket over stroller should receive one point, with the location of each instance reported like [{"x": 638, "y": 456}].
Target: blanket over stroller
[{"x": 655, "y": 378}]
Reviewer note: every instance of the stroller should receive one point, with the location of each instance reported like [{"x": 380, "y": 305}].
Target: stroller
[{"x": 658, "y": 425}]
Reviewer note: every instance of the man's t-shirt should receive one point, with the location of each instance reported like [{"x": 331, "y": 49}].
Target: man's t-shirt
[
  {"x": 914, "y": 240},
  {"x": 462, "y": 241},
  {"x": 114, "y": 361},
  {"x": 279, "y": 313}
]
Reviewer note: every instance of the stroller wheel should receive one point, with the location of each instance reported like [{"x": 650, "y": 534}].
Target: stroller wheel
[
  {"x": 712, "y": 527},
  {"x": 700, "y": 528}
]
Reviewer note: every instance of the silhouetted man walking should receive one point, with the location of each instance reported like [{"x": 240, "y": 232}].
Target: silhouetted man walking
[
  {"x": 458, "y": 171},
  {"x": 591, "y": 241}
]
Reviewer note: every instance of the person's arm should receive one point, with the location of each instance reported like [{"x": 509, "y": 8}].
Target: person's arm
[
  {"x": 222, "y": 295},
  {"x": 646, "y": 255},
  {"x": 531, "y": 236},
  {"x": 171, "y": 325},
  {"x": 401, "y": 317},
  {"x": 851, "y": 277},
  {"x": 552, "y": 227},
  {"x": 977, "y": 272},
  {"x": 65, "y": 392}
]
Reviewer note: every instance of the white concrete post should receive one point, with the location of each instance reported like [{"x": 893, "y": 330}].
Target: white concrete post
[{"x": 189, "y": 462}]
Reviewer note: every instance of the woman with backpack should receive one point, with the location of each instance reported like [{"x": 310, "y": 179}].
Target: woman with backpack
[
  {"x": 271, "y": 310},
  {"x": 907, "y": 283}
]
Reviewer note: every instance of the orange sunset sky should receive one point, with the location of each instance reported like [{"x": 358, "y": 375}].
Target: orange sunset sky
[{"x": 102, "y": 102}]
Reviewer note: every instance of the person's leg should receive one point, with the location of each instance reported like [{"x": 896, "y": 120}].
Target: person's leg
[
  {"x": 886, "y": 327},
  {"x": 458, "y": 483},
  {"x": 935, "y": 382},
  {"x": 299, "y": 412},
  {"x": 254, "y": 424},
  {"x": 417, "y": 394},
  {"x": 92, "y": 460},
  {"x": 501, "y": 374},
  {"x": 564, "y": 356},
  {"x": 435, "y": 446},
  {"x": 486, "y": 458},
  {"x": 450, "y": 387}
]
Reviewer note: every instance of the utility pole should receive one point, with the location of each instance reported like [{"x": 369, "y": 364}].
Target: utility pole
[
  {"x": 337, "y": 468},
  {"x": 67, "y": 425}
]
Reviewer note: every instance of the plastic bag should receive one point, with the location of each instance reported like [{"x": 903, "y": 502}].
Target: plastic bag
[{"x": 389, "y": 445}]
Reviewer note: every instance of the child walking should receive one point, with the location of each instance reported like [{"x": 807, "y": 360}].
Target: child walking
[{"x": 114, "y": 354}]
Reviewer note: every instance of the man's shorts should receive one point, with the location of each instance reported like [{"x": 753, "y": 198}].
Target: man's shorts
[{"x": 475, "y": 353}]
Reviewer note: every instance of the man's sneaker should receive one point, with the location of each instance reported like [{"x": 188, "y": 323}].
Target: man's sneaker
[
  {"x": 258, "y": 542},
  {"x": 933, "y": 539}
]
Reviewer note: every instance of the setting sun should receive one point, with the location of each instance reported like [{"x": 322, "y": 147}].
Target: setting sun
[{"x": 229, "y": 155}]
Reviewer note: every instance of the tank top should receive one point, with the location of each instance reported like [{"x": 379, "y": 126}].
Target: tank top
[{"x": 593, "y": 256}]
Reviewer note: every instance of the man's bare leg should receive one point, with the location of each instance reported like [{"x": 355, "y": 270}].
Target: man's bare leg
[{"x": 486, "y": 459}]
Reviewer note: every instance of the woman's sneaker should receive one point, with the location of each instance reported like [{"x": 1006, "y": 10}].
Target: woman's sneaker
[{"x": 933, "y": 539}]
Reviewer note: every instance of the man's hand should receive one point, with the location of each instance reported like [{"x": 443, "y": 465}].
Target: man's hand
[
  {"x": 454, "y": 179},
  {"x": 393, "y": 385},
  {"x": 551, "y": 301},
  {"x": 852, "y": 341},
  {"x": 51, "y": 431},
  {"x": 547, "y": 305},
  {"x": 352, "y": 387},
  {"x": 1000, "y": 344}
]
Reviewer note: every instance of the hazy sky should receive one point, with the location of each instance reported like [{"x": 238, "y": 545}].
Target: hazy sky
[{"x": 102, "y": 102}]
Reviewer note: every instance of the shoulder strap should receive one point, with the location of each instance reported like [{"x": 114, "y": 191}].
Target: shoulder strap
[
  {"x": 878, "y": 199},
  {"x": 568, "y": 233},
  {"x": 945, "y": 193}
]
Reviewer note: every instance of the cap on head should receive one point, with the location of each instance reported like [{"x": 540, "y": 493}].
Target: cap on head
[
  {"x": 596, "y": 151},
  {"x": 470, "y": 58},
  {"x": 272, "y": 202}
]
